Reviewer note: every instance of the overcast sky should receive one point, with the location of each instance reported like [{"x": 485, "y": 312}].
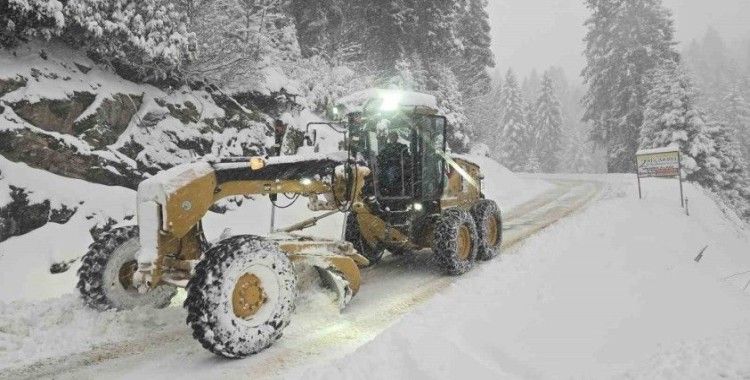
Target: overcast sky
[{"x": 531, "y": 34}]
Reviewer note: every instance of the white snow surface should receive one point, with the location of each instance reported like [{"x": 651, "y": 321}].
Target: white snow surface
[
  {"x": 58, "y": 76},
  {"x": 667, "y": 149},
  {"x": 613, "y": 292},
  {"x": 610, "y": 292},
  {"x": 159, "y": 187},
  {"x": 26, "y": 259}
]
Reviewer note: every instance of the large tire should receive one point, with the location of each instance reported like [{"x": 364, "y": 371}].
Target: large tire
[
  {"x": 353, "y": 235},
  {"x": 455, "y": 241},
  {"x": 241, "y": 297},
  {"x": 105, "y": 275},
  {"x": 489, "y": 222}
]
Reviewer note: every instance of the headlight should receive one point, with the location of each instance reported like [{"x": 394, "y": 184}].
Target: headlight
[{"x": 257, "y": 163}]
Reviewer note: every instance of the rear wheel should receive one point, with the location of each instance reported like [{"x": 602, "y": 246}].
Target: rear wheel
[
  {"x": 354, "y": 235},
  {"x": 105, "y": 277},
  {"x": 241, "y": 297},
  {"x": 489, "y": 223},
  {"x": 455, "y": 241}
]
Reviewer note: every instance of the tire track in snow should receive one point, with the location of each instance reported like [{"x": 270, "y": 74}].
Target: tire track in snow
[{"x": 318, "y": 332}]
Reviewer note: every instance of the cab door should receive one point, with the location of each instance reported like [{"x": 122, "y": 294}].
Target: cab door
[{"x": 431, "y": 147}]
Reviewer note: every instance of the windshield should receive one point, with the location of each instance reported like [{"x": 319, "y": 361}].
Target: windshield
[{"x": 406, "y": 153}]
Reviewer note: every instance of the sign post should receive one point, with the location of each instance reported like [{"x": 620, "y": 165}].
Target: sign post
[{"x": 660, "y": 163}]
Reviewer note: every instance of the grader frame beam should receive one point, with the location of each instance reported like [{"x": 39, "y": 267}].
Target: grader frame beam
[{"x": 182, "y": 196}]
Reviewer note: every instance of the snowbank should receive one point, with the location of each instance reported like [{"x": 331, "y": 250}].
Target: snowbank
[
  {"x": 508, "y": 189},
  {"x": 59, "y": 73},
  {"x": 25, "y": 260},
  {"x": 31, "y": 331},
  {"x": 611, "y": 292}
]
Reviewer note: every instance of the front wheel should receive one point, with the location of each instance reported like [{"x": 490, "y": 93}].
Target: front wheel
[
  {"x": 241, "y": 297},
  {"x": 105, "y": 278}
]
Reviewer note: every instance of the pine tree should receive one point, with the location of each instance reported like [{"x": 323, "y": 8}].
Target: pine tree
[
  {"x": 549, "y": 123},
  {"x": 319, "y": 26},
  {"x": 738, "y": 118},
  {"x": 433, "y": 34},
  {"x": 484, "y": 113},
  {"x": 442, "y": 83},
  {"x": 531, "y": 85},
  {"x": 386, "y": 40},
  {"x": 514, "y": 137},
  {"x": 710, "y": 152},
  {"x": 671, "y": 118},
  {"x": 578, "y": 154},
  {"x": 473, "y": 33},
  {"x": 531, "y": 122},
  {"x": 728, "y": 170},
  {"x": 626, "y": 39},
  {"x": 532, "y": 164}
]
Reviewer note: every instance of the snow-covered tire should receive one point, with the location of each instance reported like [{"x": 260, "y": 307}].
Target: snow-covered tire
[
  {"x": 353, "y": 235},
  {"x": 489, "y": 224},
  {"x": 454, "y": 241},
  {"x": 222, "y": 320},
  {"x": 109, "y": 258}
]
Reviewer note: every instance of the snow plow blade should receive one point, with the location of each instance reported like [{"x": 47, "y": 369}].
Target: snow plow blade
[{"x": 336, "y": 264}]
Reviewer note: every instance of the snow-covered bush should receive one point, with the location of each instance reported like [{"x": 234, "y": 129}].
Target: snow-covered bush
[
  {"x": 142, "y": 39},
  {"x": 321, "y": 83},
  {"x": 146, "y": 38},
  {"x": 239, "y": 41},
  {"x": 23, "y": 19}
]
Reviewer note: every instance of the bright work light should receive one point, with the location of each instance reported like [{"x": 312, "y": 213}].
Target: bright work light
[{"x": 391, "y": 100}]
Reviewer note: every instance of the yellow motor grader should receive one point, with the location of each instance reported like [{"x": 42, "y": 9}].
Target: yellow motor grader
[{"x": 400, "y": 190}]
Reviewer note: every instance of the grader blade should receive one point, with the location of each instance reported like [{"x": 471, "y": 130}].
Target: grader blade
[
  {"x": 334, "y": 280},
  {"x": 335, "y": 263}
]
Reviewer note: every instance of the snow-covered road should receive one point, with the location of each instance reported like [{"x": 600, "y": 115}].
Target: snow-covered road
[{"x": 319, "y": 333}]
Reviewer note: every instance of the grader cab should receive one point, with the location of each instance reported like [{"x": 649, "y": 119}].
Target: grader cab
[{"x": 401, "y": 192}]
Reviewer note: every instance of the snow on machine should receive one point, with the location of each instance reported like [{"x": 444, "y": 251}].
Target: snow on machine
[{"x": 399, "y": 188}]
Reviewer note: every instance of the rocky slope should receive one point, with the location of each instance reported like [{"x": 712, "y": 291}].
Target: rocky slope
[{"x": 62, "y": 113}]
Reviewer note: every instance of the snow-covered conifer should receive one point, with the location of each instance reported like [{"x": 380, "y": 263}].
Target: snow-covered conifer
[
  {"x": 548, "y": 126},
  {"x": 318, "y": 25},
  {"x": 142, "y": 39},
  {"x": 23, "y": 19},
  {"x": 710, "y": 152},
  {"x": 473, "y": 34},
  {"x": 738, "y": 118},
  {"x": 532, "y": 164},
  {"x": 626, "y": 39},
  {"x": 671, "y": 118},
  {"x": 514, "y": 137}
]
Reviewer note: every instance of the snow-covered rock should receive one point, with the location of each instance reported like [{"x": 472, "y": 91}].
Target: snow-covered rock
[{"x": 65, "y": 114}]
